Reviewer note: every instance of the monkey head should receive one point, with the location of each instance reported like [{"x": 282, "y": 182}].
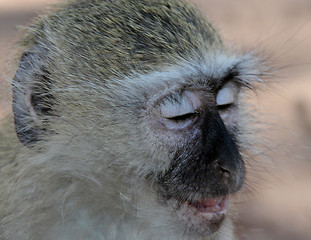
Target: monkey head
[{"x": 138, "y": 100}]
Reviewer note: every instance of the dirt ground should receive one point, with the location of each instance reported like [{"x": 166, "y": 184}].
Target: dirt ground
[{"x": 280, "y": 206}]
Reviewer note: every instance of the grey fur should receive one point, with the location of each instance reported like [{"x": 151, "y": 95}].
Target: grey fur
[{"x": 85, "y": 171}]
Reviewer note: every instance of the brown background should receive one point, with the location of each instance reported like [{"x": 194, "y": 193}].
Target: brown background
[{"x": 280, "y": 206}]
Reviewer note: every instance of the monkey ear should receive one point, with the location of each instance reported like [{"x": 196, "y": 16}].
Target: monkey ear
[{"x": 31, "y": 97}]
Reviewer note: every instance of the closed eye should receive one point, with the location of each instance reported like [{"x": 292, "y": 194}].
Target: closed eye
[
  {"x": 183, "y": 117},
  {"x": 227, "y": 96},
  {"x": 224, "y": 106},
  {"x": 180, "y": 111}
]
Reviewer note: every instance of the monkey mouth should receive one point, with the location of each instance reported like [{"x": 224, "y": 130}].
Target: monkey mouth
[
  {"x": 210, "y": 205},
  {"x": 204, "y": 216}
]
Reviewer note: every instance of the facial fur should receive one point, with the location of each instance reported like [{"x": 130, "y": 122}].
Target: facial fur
[{"x": 129, "y": 117}]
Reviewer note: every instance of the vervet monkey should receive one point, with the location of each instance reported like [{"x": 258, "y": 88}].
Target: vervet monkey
[{"x": 130, "y": 126}]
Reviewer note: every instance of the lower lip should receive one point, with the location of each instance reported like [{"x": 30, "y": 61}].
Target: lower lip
[
  {"x": 205, "y": 215},
  {"x": 210, "y": 206}
]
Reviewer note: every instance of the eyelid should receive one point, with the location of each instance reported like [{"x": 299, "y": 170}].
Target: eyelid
[
  {"x": 228, "y": 94},
  {"x": 187, "y": 103}
]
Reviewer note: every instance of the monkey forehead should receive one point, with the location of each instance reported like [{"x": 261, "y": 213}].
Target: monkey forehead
[
  {"x": 118, "y": 36},
  {"x": 209, "y": 72}
]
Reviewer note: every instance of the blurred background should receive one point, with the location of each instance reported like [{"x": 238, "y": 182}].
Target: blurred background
[{"x": 279, "y": 207}]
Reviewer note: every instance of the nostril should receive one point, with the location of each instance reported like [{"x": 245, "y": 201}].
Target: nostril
[
  {"x": 221, "y": 169},
  {"x": 225, "y": 172}
]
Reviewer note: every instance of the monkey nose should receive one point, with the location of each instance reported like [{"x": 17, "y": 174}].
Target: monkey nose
[{"x": 222, "y": 169}]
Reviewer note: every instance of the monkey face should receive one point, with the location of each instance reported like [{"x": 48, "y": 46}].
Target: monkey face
[
  {"x": 198, "y": 125},
  {"x": 181, "y": 138}
]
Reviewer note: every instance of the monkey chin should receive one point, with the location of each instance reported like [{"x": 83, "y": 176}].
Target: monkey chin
[{"x": 202, "y": 217}]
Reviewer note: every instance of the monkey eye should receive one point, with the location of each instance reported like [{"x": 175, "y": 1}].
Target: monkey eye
[
  {"x": 227, "y": 95},
  {"x": 178, "y": 111}
]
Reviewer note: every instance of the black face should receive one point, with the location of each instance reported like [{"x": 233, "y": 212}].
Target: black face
[
  {"x": 206, "y": 166},
  {"x": 209, "y": 166}
]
